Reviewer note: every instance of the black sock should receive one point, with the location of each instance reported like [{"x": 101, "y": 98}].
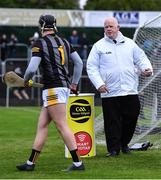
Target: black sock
[
  {"x": 75, "y": 155},
  {"x": 34, "y": 155}
]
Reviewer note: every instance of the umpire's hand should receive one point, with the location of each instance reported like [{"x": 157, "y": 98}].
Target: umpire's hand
[
  {"x": 147, "y": 72},
  {"x": 103, "y": 89}
]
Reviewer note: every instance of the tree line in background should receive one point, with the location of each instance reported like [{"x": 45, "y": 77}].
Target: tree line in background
[
  {"x": 120, "y": 5},
  {"x": 44, "y": 4},
  {"x": 129, "y": 5}
]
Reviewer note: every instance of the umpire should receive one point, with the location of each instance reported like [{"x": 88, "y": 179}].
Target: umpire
[{"x": 111, "y": 67}]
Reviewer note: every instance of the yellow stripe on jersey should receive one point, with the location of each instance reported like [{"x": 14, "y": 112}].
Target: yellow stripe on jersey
[
  {"x": 52, "y": 98},
  {"x": 35, "y": 49},
  {"x": 61, "y": 50}
]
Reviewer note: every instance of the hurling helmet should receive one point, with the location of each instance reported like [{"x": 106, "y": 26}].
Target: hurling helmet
[{"x": 47, "y": 22}]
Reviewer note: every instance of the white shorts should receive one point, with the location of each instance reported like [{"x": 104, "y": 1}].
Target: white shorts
[{"x": 55, "y": 96}]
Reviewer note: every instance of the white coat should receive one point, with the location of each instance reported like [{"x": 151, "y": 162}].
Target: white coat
[{"x": 115, "y": 65}]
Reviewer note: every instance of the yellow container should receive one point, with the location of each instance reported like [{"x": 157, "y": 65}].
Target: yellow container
[{"x": 80, "y": 114}]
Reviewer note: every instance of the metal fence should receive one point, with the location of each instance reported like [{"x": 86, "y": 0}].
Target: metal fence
[{"x": 7, "y": 97}]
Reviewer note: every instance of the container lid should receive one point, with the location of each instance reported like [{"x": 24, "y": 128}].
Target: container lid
[{"x": 83, "y": 94}]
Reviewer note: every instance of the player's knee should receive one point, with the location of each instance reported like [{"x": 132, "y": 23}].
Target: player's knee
[{"x": 59, "y": 126}]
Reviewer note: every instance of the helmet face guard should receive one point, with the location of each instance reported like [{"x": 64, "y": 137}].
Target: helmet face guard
[{"x": 47, "y": 22}]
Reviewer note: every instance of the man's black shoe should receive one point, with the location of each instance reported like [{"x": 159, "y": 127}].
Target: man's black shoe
[
  {"x": 25, "y": 167},
  {"x": 126, "y": 150},
  {"x": 75, "y": 168},
  {"x": 112, "y": 154},
  {"x": 141, "y": 116}
]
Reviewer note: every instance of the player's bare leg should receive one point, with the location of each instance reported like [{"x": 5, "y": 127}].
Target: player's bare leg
[
  {"x": 42, "y": 129},
  {"x": 41, "y": 135},
  {"x": 58, "y": 114}
]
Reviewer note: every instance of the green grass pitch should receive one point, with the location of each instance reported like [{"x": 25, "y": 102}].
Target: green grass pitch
[{"x": 17, "y": 132}]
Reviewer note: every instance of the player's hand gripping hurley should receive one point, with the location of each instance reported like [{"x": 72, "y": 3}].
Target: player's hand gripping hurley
[{"x": 11, "y": 79}]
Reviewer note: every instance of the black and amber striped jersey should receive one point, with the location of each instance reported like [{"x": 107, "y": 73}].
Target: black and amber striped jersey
[{"x": 55, "y": 55}]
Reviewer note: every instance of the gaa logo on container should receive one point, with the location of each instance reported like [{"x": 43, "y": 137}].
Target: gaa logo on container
[
  {"x": 84, "y": 142},
  {"x": 80, "y": 111}
]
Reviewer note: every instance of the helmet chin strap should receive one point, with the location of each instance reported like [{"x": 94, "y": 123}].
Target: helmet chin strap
[{"x": 55, "y": 28}]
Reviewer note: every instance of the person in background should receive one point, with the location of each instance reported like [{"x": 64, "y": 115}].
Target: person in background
[
  {"x": 74, "y": 39},
  {"x": 3, "y": 46},
  {"x": 111, "y": 66},
  {"x": 12, "y": 46},
  {"x": 52, "y": 53},
  {"x": 34, "y": 38},
  {"x": 84, "y": 44}
]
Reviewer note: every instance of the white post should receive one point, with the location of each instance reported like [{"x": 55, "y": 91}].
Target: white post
[
  {"x": 154, "y": 108},
  {"x": 7, "y": 96}
]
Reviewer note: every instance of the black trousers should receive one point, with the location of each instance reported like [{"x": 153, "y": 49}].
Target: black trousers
[{"x": 120, "y": 118}]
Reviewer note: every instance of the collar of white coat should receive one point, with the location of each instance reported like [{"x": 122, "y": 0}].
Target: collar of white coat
[{"x": 120, "y": 38}]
